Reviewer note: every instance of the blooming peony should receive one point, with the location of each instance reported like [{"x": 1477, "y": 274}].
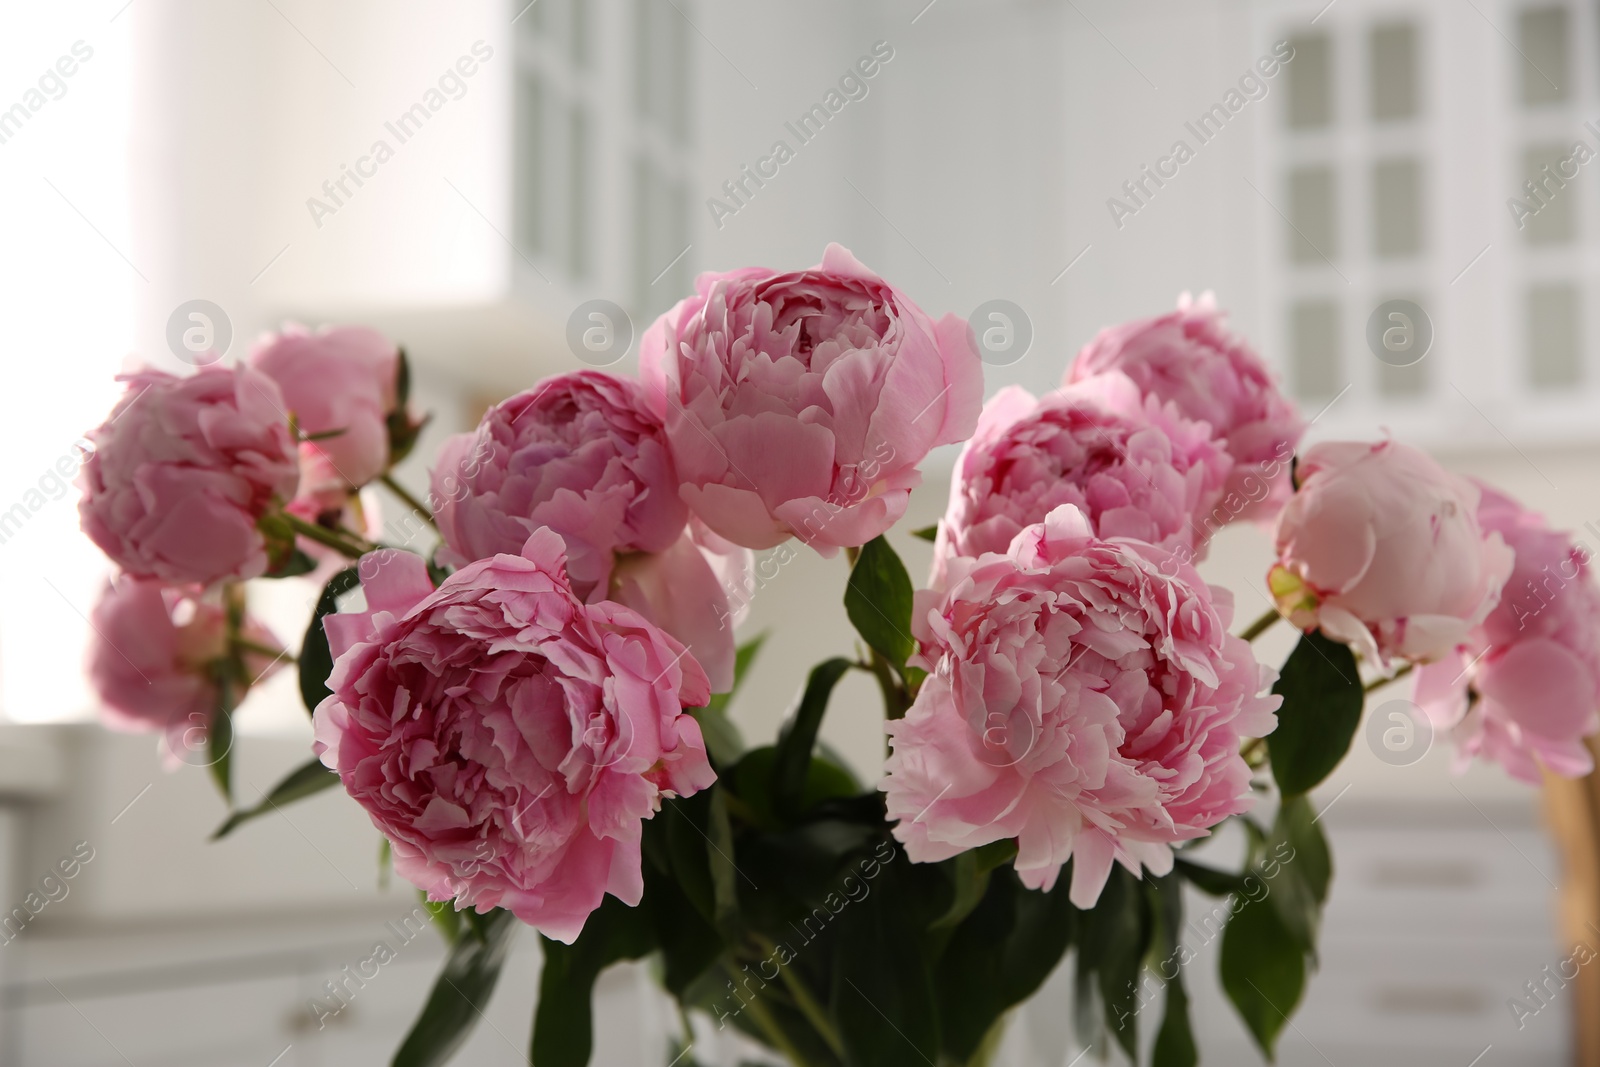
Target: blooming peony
[
  {"x": 154, "y": 659},
  {"x": 1133, "y": 466},
  {"x": 183, "y": 470},
  {"x": 1381, "y": 547},
  {"x": 681, "y": 591},
  {"x": 1189, "y": 358},
  {"x": 800, "y": 404},
  {"x": 1525, "y": 690},
  {"x": 581, "y": 453},
  {"x": 338, "y": 381},
  {"x": 1082, "y": 702},
  {"x": 507, "y": 738}
]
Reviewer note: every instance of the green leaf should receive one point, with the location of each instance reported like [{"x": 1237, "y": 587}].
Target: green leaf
[
  {"x": 304, "y": 781},
  {"x": 970, "y": 871},
  {"x": 683, "y": 833},
  {"x": 1117, "y": 933},
  {"x": 723, "y": 741},
  {"x": 927, "y": 533},
  {"x": 878, "y": 601},
  {"x": 444, "y": 916},
  {"x": 1209, "y": 880},
  {"x": 403, "y": 433},
  {"x": 690, "y": 944},
  {"x": 1174, "y": 1045},
  {"x": 1270, "y": 942},
  {"x": 402, "y": 377},
  {"x": 719, "y": 853},
  {"x": 1263, "y": 971},
  {"x": 743, "y": 656},
  {"x": 563, "y": 1031},
  {"x": 1312, "y": 858},
  {"x": 316, "y": 661},
  {"x": 882, "y": 997},
  {"x": 1322, "y": 698},
  {"x": 792, "y": 762},
  {"x": 1298, "y": 867},
  {"x": 460, "y": 995},
  {"x": 753, "y": 778},
  {"x": 998, "y": 956},
  {"x": 219, "y": 735}
]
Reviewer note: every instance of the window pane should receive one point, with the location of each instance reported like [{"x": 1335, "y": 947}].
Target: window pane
[
  {"x": 531, "y": 179},
  {"x": 1554, "y": 351},
  {"x": 1311, "y": 82},
  {"x": 1548, "y": 212},
  {"x": 1312, "y": 217},
  {"x": 661, "y": 65},
  {"x": 644, "y": 57},
  {"x": 1396, "y": 208},
  {"x": 1314, "y": 339},
  {"x": 578, "y": 33},
  {"x": 675, "y": 74},
  {"x": 1543, "y": 32},
  {"x": 1394, "y": 71},
  {"x": 1404, "y": 383},
  {"x": 578, "y": 189},
  {"x": 661, "y": 228},
  {"x": 531, "y": 18}
]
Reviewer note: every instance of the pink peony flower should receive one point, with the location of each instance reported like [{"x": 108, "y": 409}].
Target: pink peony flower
[
  {"x": 182, "y": 471},
  {"x": 800, "y": 404},
  {"x": 1135, "y": 468},
  {"x": 339, "y": 381},
  {"x": 1381, "y": 547},
  {"x": 507, "y": 738},
  {"x": 1525, "y": 689},
  {"x": 684, "y": 590},
  {"x": 581, "y": 453},
  {"x": 154, "y": 658},
  {"x": 1189, "y": 358},
  {"x": 1081, "y": 701}
]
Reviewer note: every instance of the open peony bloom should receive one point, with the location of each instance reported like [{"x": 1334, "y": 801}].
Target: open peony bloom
[
  {"x": 338, "y": 381},
  {"x": 154, "y": 656},
  {"x": 1381, "y": 547},
  {"x": 1080, "y": 701},
  {"x": 1133, "y": 466},
  {"x": 581, "y": 453},
  {"x": 507, "y": 738},
  {"x": 1188, "y": 357},
  {"x": 800, "y": 404},
  {"x": 182, "y": 471},
  {"x": 1525, "y": 689}
]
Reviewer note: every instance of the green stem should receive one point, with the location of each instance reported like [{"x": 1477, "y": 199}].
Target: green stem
[
  {"x": 769, "y": 1026},
  {"x": 324, "y": 536},
  {"x": 804, "y": 999},
  {"x": 263, "y": 650},
  {"x": 405, "y": 496},
  {"x": 688, "y": 1027},
  {"x": 1261, "y": 625},
  {"x": 1378, "y": 683}
]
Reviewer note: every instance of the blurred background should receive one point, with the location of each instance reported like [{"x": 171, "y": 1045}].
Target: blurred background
[{"x": 473, "y": 177}]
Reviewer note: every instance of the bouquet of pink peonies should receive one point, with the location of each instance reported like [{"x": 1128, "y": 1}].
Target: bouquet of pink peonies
[{"x": 535, "y": 715}]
